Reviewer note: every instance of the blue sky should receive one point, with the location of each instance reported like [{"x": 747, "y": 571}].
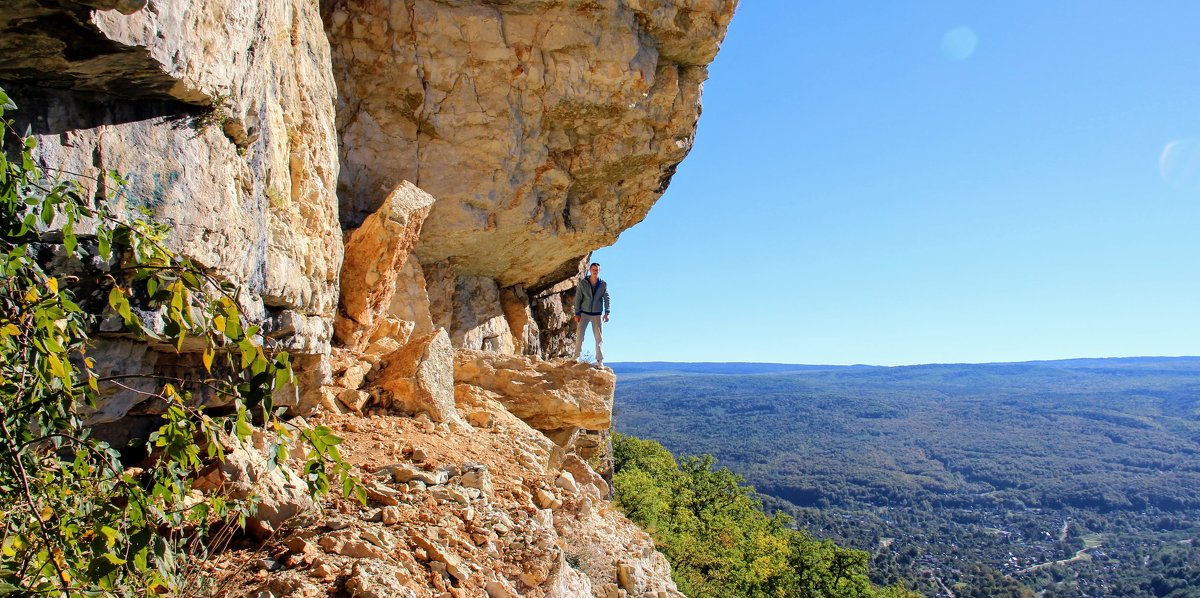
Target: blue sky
[{"x": 918, "y": 182}]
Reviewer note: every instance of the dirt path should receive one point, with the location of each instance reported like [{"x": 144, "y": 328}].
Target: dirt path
[
  {"x": 1080, "y": 555},
  {"x": 948, "y": 592},
  {"x": 945, "y": 589}
]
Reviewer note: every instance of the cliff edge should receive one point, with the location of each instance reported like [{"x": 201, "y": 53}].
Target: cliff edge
[{"x": 403, "y": 191}]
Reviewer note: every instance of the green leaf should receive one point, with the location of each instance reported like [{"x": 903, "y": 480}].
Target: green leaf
[
  {"x": 56, "y": 366},
  {"x": 242, "y": 428},
  {"x": 259, "y": 364},
  {"x": 104, "y": 242},
  {"x": 110, "y": 536},
  {"x": 282, "y": 377},
  {"x": 120, "y": 303},
  {"x": 69, "y": 240},
  {"x": 50, "y": 342},
  {"x": 177, "y": 296},
  {"x": 233, "y": 327}
]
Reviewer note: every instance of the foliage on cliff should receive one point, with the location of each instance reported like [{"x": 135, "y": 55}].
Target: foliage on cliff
[
  {"x": 76, "y": 519},
  {"x": 720, "y": 543}
]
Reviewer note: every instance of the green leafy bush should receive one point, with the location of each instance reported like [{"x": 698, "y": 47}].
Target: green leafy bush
[
  {"x": 719, "y": 541},
  {"x": 76, "y": 520}
]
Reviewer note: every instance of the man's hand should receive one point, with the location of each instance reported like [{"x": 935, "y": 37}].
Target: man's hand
[
  {"x": 578, "y": 318},
  {"x": 605, "y": 317}
]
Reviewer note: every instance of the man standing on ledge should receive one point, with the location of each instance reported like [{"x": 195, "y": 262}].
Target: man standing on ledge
[{"x": 591, "y": 306}]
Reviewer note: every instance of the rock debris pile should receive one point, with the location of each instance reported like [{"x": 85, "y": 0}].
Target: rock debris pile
[{"x": 492, "y": 507}]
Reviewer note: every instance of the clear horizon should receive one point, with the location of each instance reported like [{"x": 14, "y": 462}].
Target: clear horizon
[
  {"x": 621, "y": 361},
  {"x": 932, "y": 183}
]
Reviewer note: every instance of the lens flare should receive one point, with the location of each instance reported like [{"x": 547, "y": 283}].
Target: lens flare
[
  {"x": 959, "y": 43},
  {"x": 1179, "y": 164}
]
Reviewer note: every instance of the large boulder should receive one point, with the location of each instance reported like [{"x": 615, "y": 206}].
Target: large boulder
[
  {"x": 419, "y": 377},
  {"x": 410, "y": 302},
  {"x": 250, "y": 472},
  {"x": 547, "y": 395},
  {"x": 375, "y": 256}
]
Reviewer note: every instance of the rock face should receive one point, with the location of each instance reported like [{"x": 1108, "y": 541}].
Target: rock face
[
  {"x": 419, "y": 378},
  {"x": 42, "y": 45},
  {"x": 375, "y": 255},
  {"x": 546, "y": 395},
  {"x": 544, "y": 128},
  {"x": 248, "y": 189},
  {"x": 220, "y": 113}
]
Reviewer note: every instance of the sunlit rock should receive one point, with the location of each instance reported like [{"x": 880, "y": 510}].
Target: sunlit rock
[{"x": 548, "y": 395}]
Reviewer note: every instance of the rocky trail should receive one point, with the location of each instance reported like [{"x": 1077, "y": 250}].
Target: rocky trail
[{"x": 483, "y": 505}]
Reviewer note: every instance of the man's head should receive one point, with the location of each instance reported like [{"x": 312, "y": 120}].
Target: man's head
[{"x": 594, "y": 269}]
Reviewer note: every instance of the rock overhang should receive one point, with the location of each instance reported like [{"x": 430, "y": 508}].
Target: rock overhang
[{"x": 542, "y": 128}]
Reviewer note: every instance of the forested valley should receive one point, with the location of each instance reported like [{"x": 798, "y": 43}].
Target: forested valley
[{"x": 1063, "y": 478}]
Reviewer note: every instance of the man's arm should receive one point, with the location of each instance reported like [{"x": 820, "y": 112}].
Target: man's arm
[
  {"x": 578, "y": 300},
  {"x": 607, "y": 303}
]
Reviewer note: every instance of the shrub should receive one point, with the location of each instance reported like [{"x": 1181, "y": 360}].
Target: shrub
[{"x": 76, "y": 521}]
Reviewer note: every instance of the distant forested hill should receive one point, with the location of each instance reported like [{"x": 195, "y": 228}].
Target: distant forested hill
[
  {"x": 1009, "y": 454},
  {"x": 666, "y": 367}
]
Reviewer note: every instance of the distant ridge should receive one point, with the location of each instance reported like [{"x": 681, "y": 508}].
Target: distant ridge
[
  {"x": 733, "y": 367},
  {"x": 641, "y": 367}
]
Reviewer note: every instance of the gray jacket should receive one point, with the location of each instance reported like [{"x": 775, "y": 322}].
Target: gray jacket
[{"x": 589, "y": 301}]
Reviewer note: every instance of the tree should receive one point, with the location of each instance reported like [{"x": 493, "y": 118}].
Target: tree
[{"x": 712, "y": 529}]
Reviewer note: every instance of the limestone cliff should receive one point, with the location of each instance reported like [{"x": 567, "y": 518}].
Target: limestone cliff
[
  {"x": 404, "y": 191},
  {"x": 544, "y": 128}
]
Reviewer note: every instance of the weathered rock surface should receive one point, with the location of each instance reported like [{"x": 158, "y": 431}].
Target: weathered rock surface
[
  {"x": 554, "y": 311},
  {"x": 543, "y": 128},
  {"x": 419, "y": 378},
  {"x": 585, "y": 479},
  {"x": 372, "y": 579},
  {"x": 249, "y": 190},
  {"x": 248, "y": 471},
  {"x": 375, "y": 255},
  {"x": 410, "y": 301},
  {"x": 548, "y": 395},
  {"x": 41, "y": 45},
  {"x": 430, "y": 529},
  {"x": 220, "y": 113},
  {"x": 522, "y": 325},
  {"x": 478, "y": 320}
]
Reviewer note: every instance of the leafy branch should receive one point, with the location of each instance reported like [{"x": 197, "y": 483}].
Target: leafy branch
[{"x": 76, "y": 520}]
